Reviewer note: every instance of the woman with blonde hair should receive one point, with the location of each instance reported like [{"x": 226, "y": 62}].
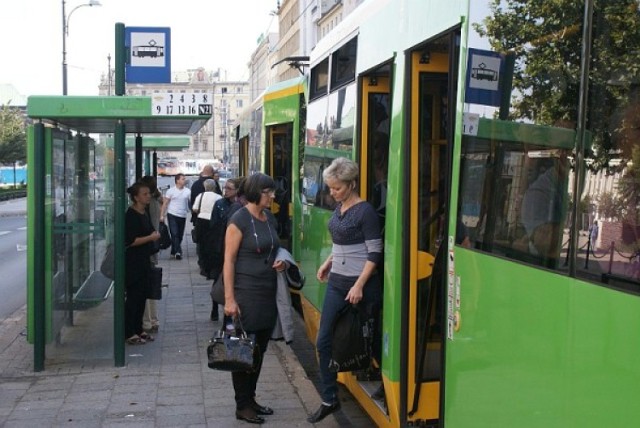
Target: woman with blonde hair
[{"x": 350, "y": 269}]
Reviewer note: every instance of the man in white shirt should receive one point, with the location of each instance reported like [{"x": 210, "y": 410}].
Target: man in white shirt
[{"x": 176, "y": 207}]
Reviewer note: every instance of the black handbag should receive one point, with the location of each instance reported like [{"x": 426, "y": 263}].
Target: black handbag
[
  {"x": 217, "y": 290},
  {"x": 233, "y": 351},
  {"x": 165, "y": 239},
  {"x": 107, "y": 267},
  {"x": 194, "y": 232},
  {"x": 351, "y": 340},
  {"x": 154, "y": 290}
]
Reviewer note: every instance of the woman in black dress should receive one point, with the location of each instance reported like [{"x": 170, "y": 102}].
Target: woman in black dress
[
  {"x": 139, "y": 238},
  {"x": 251, "y": 245}
]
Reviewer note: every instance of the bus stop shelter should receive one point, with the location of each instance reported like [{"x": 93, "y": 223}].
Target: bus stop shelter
[{"x": 80, "y": 156}]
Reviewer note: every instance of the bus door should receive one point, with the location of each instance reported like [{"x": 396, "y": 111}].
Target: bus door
[
  {"x": 432, "y": 93},
  {"x": 375, "y": 140},
  {"x": 374, "y": 155},
  {"x": 279, "y": 160},
  {"x": 243, "y": 156}
]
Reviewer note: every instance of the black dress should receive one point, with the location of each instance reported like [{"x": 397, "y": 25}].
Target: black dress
[
  {"x": 255, "y": 292},
  {"x": 255, "y": 279},
  {"x": 137, "y": 265}
]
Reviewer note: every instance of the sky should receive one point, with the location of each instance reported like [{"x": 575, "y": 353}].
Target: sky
[{"x": 204, "y": 33}]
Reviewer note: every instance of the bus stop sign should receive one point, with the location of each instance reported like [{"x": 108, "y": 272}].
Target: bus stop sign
[
  {"x": 148, "y": 58},
  {"x": 485, "y": 70}
]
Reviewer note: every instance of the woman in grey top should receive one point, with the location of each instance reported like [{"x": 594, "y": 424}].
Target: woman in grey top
[
  {"x": 350, "y": 269},
  {"x": 251, "y": 245}
]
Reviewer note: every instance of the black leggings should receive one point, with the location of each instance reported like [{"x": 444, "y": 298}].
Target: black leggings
[{"x": 244, "y": 384}]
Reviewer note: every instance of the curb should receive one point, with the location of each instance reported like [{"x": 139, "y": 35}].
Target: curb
[
  {"x": 305, "y": 389},
  {"x": 13, "y": 213}
]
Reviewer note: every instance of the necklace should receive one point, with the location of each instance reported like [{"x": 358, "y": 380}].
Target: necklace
[{"x": 255, "y": 235}]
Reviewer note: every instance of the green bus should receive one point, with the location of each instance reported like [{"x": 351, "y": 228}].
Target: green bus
[{"x": 510, "y": 206}]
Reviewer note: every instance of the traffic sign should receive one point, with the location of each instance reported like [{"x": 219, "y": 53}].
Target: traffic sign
[
  {"x": 148, "y": 57},
  {"x": 484, "y": 73}
]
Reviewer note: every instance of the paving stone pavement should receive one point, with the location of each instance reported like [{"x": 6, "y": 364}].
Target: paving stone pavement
[{"x": 165, "y": 383}]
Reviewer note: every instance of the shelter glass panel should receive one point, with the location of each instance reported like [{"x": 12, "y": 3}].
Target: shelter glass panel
[{"x": 80, "y": 200}]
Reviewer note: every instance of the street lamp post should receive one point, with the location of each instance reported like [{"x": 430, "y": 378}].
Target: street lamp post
[{"x": 65, "y": 33}]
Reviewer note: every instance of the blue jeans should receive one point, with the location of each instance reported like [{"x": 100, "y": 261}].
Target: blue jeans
[
  {"x": 176, "y": 229},
  {"x": 333, "y": 304}
]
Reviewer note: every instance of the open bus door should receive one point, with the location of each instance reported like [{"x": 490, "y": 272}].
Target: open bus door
[
  {"x": 278, "y": 166},
  {"x": 375, "y": 115},
  {"x": 432, "y": 91}
]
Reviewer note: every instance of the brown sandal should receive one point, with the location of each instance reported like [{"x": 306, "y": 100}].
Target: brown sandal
[{"x": 135, "y": 340}]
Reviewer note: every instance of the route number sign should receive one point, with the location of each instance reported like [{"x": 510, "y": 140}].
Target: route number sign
[{"x": 172, "y": 104}]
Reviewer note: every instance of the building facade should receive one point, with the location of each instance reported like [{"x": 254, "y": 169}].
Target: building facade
[{"x": 228, "y": 99}]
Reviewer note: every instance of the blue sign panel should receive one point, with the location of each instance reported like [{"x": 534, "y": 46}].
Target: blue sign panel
[
  {"x": 148, "y": 54},
  {"x": 484, "y": 72}
]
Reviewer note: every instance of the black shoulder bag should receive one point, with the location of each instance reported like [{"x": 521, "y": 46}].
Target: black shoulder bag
[{"x": 351, "y": 340}]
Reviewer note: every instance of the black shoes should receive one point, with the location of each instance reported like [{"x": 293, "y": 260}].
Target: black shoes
[
  {"x": 324, "y": 411},
  {"x": 261, "y": 410},
  {"x": 178, "y": 256},
  {"x": 249, "y": 415}
]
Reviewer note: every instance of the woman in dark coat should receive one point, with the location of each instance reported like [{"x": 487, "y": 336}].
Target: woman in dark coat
[
  {"x": 139, "y": 238},
  {"x": 217, "y": 230},
  {"x": 250, "y": 282}
]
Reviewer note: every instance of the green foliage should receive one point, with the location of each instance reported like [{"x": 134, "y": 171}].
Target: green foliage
[
  {"x": 546, "y": 38},
  {"x": 629, "y": 189},
  {"x": 13, "y": 140},
  {"x": 609, "y": 206}
]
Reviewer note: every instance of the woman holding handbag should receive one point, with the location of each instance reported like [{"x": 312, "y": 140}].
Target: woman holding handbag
[
  {"x": 139, "y": 238},
  {"x": 250, "y": 282}
]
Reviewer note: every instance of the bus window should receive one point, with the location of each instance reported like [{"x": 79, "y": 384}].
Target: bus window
[
  {"x": 343, "y": 64},
  {"x": 319, "y": 80},
  {"x": 514, "y": 195}
]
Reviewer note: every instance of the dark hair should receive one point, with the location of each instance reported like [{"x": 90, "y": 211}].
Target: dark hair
[
  {"x": 236, "y": 183},
  {"x": 240, "y": 185},
  {"x": 255, "y": 184},
  {"x": 177, "y": 177},
  {"x": 134, "y": 190},
  {"x": 151, "y": 182}
]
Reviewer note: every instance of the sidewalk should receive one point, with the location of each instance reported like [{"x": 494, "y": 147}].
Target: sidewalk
[{"x": 165, "y": 383}]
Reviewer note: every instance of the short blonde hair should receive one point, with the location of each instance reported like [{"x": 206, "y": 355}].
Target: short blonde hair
[{"x": 342, "y": 169}]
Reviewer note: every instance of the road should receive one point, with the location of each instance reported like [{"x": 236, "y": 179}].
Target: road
[{"x": 13, "y": 269}]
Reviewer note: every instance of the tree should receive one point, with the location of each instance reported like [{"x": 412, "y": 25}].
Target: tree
[
  {"x": 546, "y": 38},
  {"x": 609, "y": 206},
  {"x": 13, "y": 140},
  {"x": 629, "y": 189}
]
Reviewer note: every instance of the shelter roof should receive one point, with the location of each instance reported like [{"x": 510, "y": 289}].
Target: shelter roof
[{"x": 100, "y": 114}]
